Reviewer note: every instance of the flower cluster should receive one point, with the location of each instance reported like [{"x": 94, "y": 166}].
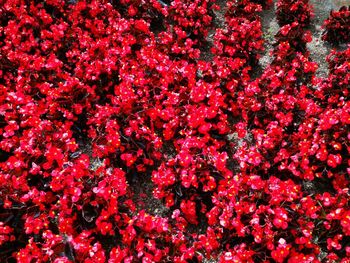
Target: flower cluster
[
  {"x": 110, "y": 107},
  {"x": 292, "y": 11},
  {"x": 337, "y": 29}
]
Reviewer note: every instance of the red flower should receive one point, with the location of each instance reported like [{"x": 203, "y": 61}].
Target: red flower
[
  {"x": 189, "y": 209},
  {"x": 345, "y": 222},
  {"x": 281, "y": 252},
  {"x": 334, "y": 160}
]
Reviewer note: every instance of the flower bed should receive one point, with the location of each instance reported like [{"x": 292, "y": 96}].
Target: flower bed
[{"x": 96, "y": 96}]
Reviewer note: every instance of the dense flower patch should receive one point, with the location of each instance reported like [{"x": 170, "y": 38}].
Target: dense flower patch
[
  {"x": 97, "y": 96},
  {"x": 289, "y": 11}
]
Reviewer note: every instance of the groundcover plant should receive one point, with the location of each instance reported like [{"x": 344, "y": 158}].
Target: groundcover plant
[{"x": 140, "y": 131}]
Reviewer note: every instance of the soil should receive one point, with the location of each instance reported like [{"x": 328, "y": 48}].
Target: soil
[{"x": 270, "y": 28}]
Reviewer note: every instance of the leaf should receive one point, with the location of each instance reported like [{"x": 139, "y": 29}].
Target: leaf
[{"x": 89, "y": 213}]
